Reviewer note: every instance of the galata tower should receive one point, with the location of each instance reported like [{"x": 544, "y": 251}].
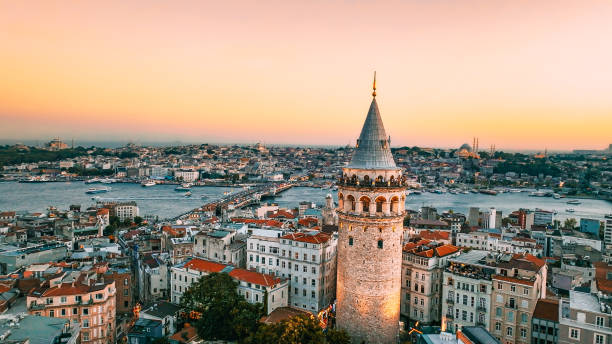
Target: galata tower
[{"x": 370, "y": 214}]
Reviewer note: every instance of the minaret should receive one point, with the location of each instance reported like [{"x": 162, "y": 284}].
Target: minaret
[{"x": 370, "y": 212}]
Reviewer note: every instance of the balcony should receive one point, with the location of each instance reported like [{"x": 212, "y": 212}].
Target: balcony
[
  {"x": 449, "y": 316},
  {"x": 373, "y": 184},
  {"x": 481, "y": 308},
  {"x": 481, "y": 323},
  {"x": 36, "y": 307},
  {"x": 450, "y": 301},
  {"x": 511, "y": 305}
]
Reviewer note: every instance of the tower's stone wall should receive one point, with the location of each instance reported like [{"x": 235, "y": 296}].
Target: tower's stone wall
[{"x": 369, "y": 277}]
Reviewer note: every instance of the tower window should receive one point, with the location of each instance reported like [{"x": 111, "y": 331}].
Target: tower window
[
  {"x": 350, "y": 241},
  {"x": 380, "y": 244}
]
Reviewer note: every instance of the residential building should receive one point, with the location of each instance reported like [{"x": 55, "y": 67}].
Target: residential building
[
  {"x": 80, "y": 297},
  {"x": 308, "y": 260},
  {"x": 542, "y": 217},
  {"x": 466, "y": 291},
  {"x": 518, "y": 283},
  {"x": 254, "y": 286},
  {"x": 38, "y": 330},
  {"x": 585, "y": 318},
  {"x": 423, "y": 264},
  {"x": 608, "y": 229},
  {"x": 545, "y": 322},
  {"x": 589, "y": 226},
  {"x": 165, "y": 313},
  {"x": 13, "y": 257},
  {"x": 225, "y": 246}
]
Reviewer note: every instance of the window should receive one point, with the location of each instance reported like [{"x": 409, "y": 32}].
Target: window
[
  {"x": 510, "y": 316},
  {"x": 85, "y": 311},
  {"x": 305, "y": 268},
  {"x": 85, "y": 336},
  {"x": 125, "y": 281},
  {"x": 99, "y": 296},
  {"x": 380, "y": 244},
  {"x": 523, "y": 332},
  {"x": 513, "y": 288},
  {"x": 599, "y": 339},
  {"x": 574, "y": 333},
  {"x": 599, "y": 321},
  {"x": 499, "y": 286},
  {"x": 49, "y": 300},
  {"x": 314, "y": 270},
  {"x": 63, "y": 311},
  {"x": 524, "y": 318},
  {"x": 464, "y": 315},
  {"x": 125, "y": 292},
  {"x": 52, "y": 313},
  {"x": 350, "y": 241},
  {"x": 465, "y": 300},
  {"x": 314, "y": 258},
  {"x": 509, "y": 331},
  {"x": 75, "y": 311},
  {"x": 312, "y": 294},
  {"x": 497, "y": 326},
  {"x": 304, "y": 292},
  {"x": 498, "y": 312},
  {"x": 313, "y": 282},
  {"x": 85, "y": 323},
  {"x": 525, "y": 291}
]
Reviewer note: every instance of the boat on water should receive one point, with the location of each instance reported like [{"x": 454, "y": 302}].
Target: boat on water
[
  {"x": 188, "y": 194},
  {"x": 97, "y": 190},
  {"x": 183, "y": 187},
  {"x": 415, "y": 192},
  {"x": 92, "y": 181},
  {"x": 570, "y": 210},
  {"x": 556, "y": 196},
  {"x": 574, "y": 201},
  {"x": 148, "y": 183},
  {"x": 108, "y": 181},
  {"x": 538, "y": 194},
  {"x": 488, "y": 192},
  {"x": 41, "y": 179}
]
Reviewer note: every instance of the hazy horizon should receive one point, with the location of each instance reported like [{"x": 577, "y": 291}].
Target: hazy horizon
[{"x": 518, "y": 75}]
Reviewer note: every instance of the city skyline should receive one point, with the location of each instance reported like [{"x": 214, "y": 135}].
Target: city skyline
[{"x": 208, "y": 72}]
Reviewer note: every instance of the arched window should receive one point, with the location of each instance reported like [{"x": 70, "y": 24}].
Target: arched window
[
  {"x": 351, "y": 201},
  {"x": 366, "y": 180},
  {"x": 379, "y": 204},
  {"x": 350, "y": 241},
  {"x": 340, "y": 200},
  {"x": 354, "y": 179},
  {"x": 365, "y": 204},
  {"x": 380, "y": 179},
  {"x": 380, "y": 243},
  {"x": 395, "y": 205}
]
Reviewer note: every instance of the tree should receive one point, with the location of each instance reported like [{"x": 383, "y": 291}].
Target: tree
[
  {"x": 301, "y": 329},
  {"x": 334, "y": 336},
  {"x": 225, "y": 314},
  {"x": 138, "y": 220},
  {"x": 569, "y": 223}
]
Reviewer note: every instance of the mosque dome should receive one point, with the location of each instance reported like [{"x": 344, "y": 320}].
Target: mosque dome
[{"x": 466, "y": 147}]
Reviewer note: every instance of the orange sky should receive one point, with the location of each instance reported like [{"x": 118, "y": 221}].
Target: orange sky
[{"x": 517, "y": 74}]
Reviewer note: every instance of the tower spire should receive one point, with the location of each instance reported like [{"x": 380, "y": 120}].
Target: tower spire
[{"x": 374, "y": 86}]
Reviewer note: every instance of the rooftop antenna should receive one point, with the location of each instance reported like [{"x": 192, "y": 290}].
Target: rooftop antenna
[{"x": 374, "y": 86}]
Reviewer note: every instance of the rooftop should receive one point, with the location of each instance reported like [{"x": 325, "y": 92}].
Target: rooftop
[
  {"x": 547, "y": 309},
  {"x": 373, "y": 146}
]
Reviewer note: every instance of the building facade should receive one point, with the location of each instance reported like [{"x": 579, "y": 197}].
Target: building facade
[
  {"x": 585, "y": 318},
  {"x": 370, "y": 213}
]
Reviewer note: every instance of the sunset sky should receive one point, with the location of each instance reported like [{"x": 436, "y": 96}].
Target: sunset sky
[{"x": 517, "y": 74}]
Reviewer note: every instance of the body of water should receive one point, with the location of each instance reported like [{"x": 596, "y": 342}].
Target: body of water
[{"x": 163, "y": 201}]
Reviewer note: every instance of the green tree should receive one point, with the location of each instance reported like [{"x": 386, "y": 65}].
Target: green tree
[
  {"x": 569, "y": 223},
  {"x": 138, "y": 220},
  {"x": 225, "y": 314},
  {"x": 334, "y": 336}
]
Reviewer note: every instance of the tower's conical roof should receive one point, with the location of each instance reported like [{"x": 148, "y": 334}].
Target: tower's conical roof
[{"x": 373, "y": 146}]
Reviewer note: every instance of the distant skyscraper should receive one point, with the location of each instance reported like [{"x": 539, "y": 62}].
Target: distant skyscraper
[{"x": 371, "y": 211}]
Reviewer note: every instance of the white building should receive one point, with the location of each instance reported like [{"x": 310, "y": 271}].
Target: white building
[
  {"x": 309, "y": 261},
  {"x": 186, "y": 176},
  {"x": 254, "y": 286}
]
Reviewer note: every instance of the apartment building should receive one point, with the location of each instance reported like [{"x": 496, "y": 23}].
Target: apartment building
[
  {"x": 225, "y": 246},
  {"x": 585, "y": 318},
  {"x": 254, "y": 286},
  {"x": 423, "y": 263},
  {"x": 308, "y": 260},
  {"x": 545, "y": 322},
  {"x": 518, "y": 283},
  {"x": 82, "y": 297},
  {"x": 466, "y": 291}
]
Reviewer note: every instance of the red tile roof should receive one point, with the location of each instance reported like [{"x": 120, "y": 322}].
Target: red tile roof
[
  {"x": 254, "y": 277},
  {"x": 282, "y": 214},
  {"x": 318, "y": 238},
  {"x": 434, "y": 235},
  {"x": 602, "y": 270},
  {"x": 547, "y": 309},
  {"x": 308, "y": 222},
  {"x": 204, "y": 265},
  {"x": 512, "y": 279}
]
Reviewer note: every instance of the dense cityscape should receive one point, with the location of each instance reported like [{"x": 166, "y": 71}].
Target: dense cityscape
[
  {"x": 305, "y": 172},
  {"x": 103, "y": 272}
]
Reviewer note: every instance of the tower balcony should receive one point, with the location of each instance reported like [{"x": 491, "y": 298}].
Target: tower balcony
[
  {"x": 368, "y": 215},
  {"x": 392, "y": 184}
]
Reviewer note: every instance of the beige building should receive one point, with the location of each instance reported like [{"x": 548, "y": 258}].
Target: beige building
[
  {"x": 585, "y": 318},
  {"x": 225, "y": 246},
  {"x": 423, "y": 264},
  {"x": 85, "y": 298},
  {"x": 519, "y": 281}
]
